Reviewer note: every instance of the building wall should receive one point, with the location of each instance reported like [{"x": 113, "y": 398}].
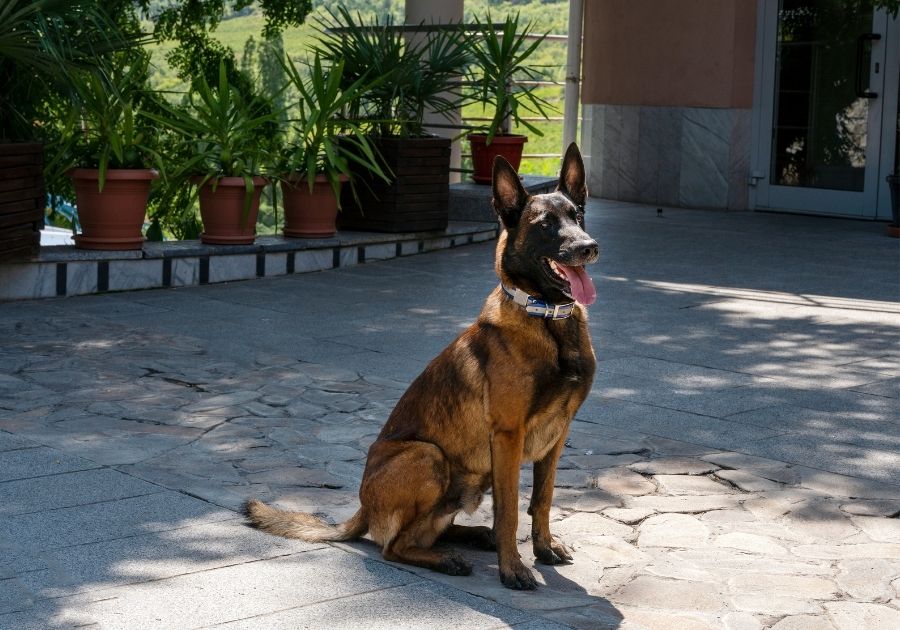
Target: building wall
[{"x": 668, "y": 88}]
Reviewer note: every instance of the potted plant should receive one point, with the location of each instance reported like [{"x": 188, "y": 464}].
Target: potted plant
[
  {"x": 323, "y": 148},
  {"x": 418, "y": 76},
  {"x": 500, "y": 58},
  {"x": 225, "y": 143},
  {"x": 42, "y": 44},
  {"x": 111, "y": 144}
]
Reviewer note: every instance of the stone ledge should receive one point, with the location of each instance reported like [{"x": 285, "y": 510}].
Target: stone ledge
[
  {"x": 472, "y": 202},
  {"x": 63, "y": 270}
]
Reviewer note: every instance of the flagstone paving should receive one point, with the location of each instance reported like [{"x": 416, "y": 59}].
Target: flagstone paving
[{"x": 711, "y": 481}]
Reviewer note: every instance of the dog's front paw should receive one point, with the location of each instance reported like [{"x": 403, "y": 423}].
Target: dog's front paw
[
  {"x": 554, "y": 553},
  {"x": 517, "y": 576}
]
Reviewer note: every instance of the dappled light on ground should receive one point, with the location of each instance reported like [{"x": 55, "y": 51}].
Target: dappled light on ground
[{"x": 734, "y": 466}]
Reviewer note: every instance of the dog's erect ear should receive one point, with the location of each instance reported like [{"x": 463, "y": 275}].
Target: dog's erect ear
[
  {"x": 509, "y": 196},
  {"x": 571, "y": 177}
]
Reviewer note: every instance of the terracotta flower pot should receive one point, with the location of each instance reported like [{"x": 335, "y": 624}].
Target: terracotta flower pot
[
  {"x": 309, "y": 214},
  {"x": 222, "y": 210},
  {"x": 483, "y": 154},
  {"x": 111, "y": 219}
]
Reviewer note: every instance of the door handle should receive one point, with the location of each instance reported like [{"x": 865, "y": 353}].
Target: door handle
[{"x": 862, "y": 89}]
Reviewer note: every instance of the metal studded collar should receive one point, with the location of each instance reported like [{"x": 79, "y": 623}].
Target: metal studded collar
[{"x": 539, "y": 308}]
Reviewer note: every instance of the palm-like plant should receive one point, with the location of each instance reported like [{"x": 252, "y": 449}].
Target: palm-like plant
[
  {"x": 222, "y": 139},
  {"x": 42, "y": 44},
  {"x": 500, "y": 57},
  {"x": 106, "y": 126},
  {"x": 321, "y": 139},
  {"x": 418, "y": 75},
  {"x": 221, "y": 133}
]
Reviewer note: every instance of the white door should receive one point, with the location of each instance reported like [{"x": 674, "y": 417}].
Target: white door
[{"x": 826, "y": 114}]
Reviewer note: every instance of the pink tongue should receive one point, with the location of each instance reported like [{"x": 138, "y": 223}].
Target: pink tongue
[{"x": 582, "y": 286}]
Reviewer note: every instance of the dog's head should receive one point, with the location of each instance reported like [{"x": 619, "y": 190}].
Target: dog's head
[{"x": 544, "y": 247}]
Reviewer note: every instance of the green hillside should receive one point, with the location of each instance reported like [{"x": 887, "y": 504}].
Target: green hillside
[{"x": 550, "y": 16}]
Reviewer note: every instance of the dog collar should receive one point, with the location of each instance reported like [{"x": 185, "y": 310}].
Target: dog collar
[{"x": 539, "y": 308}]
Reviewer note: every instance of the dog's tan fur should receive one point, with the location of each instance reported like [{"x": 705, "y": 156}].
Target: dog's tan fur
[{"x": 502, "y": 393}]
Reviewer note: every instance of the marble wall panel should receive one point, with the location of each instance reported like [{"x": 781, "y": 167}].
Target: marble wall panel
[
  {"x": 629, "y": 133},
  {"x": 595, "y": 131},
  {"x": 81, "y": 278},
  {"x": 705, "y": 146},
  {"x": 313, "y": 260},
  {"x": 739, "y": 161},
  {"x": 235, "y": 267},
  {"x": 126, "y": 275},
  {"x": 482, "y": 236},
  {"x": 437, "y": 243},
  {"x": 668, "y": 145},
  {"x": 649, "y": 154},
  {"x": 349, "y": 256},
  {"x": 27, "y": 281},
  {"x": 610, "y": 149},
  {"x": 185, "y": 272},
  {"x": 409, "y": 247},
  {"x": 678, "y": 156},
  {"x": 382, "y": 251}
]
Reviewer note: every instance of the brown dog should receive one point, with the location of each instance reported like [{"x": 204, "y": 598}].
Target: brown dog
[{"x": 502, "y": 393}]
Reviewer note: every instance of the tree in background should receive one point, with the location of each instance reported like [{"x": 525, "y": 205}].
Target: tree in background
[{"x": 191, "y": 22}]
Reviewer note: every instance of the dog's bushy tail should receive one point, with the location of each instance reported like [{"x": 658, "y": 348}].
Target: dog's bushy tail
[{"x": 302, "y": 525}]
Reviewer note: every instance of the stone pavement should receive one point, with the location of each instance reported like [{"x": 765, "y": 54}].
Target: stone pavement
[{"x": 736, "y": 465}]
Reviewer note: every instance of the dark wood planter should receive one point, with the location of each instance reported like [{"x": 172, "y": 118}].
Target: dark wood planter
[
  {"x": 22, "y": 199},
  {"x": 416, "y": 200}
]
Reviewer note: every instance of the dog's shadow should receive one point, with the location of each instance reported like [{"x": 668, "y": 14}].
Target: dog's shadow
[{"x": 563, "y": 594}]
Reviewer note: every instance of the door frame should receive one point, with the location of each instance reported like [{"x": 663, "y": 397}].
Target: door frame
[{"x": 874, "y": 201}]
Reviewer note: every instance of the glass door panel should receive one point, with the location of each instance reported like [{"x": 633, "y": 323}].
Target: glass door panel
[
  {"x": 820, "y": 107},
  {"x": 821, "y": 121}
]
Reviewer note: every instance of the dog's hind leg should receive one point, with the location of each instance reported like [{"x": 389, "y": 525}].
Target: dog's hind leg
[
  {"x": 405, "y": 487},
  {"x": 404, "y": 549},
  {"x": 477, "y": 536}
]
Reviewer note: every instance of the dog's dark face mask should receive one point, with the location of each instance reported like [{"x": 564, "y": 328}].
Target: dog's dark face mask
[{"x": 546, "y": 246}]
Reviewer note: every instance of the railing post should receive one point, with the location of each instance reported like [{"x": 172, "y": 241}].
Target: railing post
[{"x": 573, "y": 74}]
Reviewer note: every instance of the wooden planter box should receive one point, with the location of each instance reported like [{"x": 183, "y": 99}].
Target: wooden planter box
[
  {"x": 416, "y": 201},
  {"x": 22, "y": 199}
]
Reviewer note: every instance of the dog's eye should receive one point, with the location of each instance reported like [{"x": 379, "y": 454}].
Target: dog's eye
[{"x": 545, "y": 225}]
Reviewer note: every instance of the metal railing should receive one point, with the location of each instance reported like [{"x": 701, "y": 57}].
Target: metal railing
[
  {"x": 537, "y": 120},
  {"x": 466, "y": 122}
]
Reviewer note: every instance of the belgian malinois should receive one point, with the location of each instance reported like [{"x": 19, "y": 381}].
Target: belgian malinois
[{"x": 502, "y": 393}]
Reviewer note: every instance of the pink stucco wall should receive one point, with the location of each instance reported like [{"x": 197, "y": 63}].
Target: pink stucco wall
[{"x": 685, "y": 53}]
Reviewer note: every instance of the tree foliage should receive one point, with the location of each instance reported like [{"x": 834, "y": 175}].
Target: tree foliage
[{"x": 191, "y": 22}]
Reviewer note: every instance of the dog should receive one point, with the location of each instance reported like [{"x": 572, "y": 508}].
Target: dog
[{"x": 504, "y": 392}]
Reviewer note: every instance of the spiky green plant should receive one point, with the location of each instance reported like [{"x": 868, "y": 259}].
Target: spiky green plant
[
  {"x": 43, "y": 43},
  {"x": 106, "y": 126},
  {"x": 220, "y": 133},
  {"x": 500, "y": 58},
  {"x": 320, "y": 138},
  {"x": 421, "y": 74}
]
